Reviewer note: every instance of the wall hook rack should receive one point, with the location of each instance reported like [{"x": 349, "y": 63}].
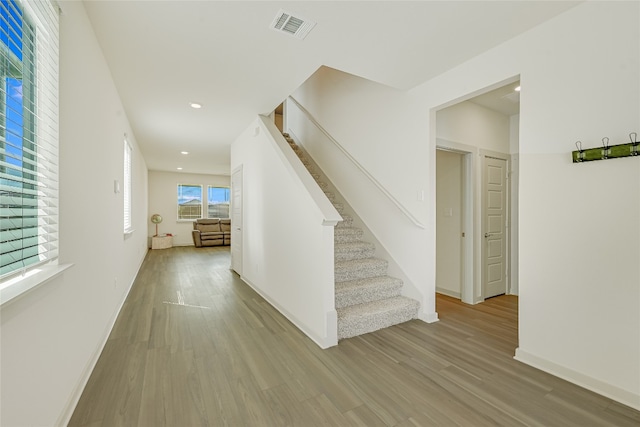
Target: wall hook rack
[{"x": 607, "y": 151}]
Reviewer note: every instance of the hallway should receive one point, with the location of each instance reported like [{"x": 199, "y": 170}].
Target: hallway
[{"x": 195, "y": 346}]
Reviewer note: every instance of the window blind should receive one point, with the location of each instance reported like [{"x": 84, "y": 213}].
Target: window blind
[
  {"x": 127, "y": 187},
  {"x": 28, "y": 134}
]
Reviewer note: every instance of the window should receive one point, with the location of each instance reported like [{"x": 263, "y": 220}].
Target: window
[
  {"x": 189, "y": 201},
  {"x": 28, "y": 135},
  {"x": 128, "y": 227},
  {"x": 217, "y": 202}
]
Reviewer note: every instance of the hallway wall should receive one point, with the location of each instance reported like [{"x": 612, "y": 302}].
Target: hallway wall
[{"x": 53, "y": 335}]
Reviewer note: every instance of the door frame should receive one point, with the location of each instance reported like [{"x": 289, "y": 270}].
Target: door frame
[
  {"x": 237, "y": 265},
  {"x": 468, "y": 260},
  {"x": 473, "y": 166}
]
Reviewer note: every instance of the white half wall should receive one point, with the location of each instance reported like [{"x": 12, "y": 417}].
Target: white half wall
[
  {"x": 578, "y": 251},
  {"x": 53, "y": 335},
  {"x": 163, "y": 200},
  {"x": 287, "y": 245},
  {"x": 368, "y": 120}
]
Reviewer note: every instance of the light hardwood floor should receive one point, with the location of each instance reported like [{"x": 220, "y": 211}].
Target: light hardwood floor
[{"x": 195, "y": 346}]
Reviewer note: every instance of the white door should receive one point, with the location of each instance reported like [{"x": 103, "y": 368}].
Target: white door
[
  {"x": 494, "y": 227},
  {"x": 236, "y": 221}
]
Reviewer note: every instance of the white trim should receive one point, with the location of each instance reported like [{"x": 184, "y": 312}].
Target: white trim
[
  {"x": 19, "y": 285},
  {"x": 448, "y": 293},
  {"x": 330, "y": 216},
  {"x": 428, "y": 317},
  {"x": 471, "y": 279},
  {"x": 620, "y": 395},
  {"x": 380, "y": 187}
]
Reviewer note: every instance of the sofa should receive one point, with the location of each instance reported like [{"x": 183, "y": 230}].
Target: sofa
[{"x": 211, "y": 232}]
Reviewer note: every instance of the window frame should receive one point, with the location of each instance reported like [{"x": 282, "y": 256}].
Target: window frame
[
  {"x": 228, "y": 189},
  {"x": 190, "y": 218}
]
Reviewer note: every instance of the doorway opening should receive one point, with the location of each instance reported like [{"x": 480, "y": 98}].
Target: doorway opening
[{"x": 477, "y": 140}]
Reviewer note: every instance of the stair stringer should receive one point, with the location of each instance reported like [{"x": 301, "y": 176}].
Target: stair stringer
[{"x": 393, "y": 269}]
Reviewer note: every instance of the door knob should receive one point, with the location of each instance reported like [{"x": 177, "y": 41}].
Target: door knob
[{"x": 487, "y": 235}]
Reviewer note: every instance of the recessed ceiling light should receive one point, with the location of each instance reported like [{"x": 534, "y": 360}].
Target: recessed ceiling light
[
  {"x": 517, "y": 89},
  {"x": 179, "y": 169},
  {"x": 184, "y": 152},
  {"x": 195, "y": 105}
]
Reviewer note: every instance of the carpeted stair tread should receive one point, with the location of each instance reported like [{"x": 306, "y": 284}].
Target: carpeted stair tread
[
  {"x": 339, "y": 207},
  {"x": 347, "y": 221},
  {"x": 359, "y": 269},
  {"x": 354, "y": 292},
  {"x": 346, "y": 234},
  {"x": 372, "y": 316},
  {"x": 353, "y": 250}
]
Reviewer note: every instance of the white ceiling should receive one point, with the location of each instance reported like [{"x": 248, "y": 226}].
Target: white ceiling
[
  {"x": 505, "y": 100},
  {"x": 165, "y": 54}
]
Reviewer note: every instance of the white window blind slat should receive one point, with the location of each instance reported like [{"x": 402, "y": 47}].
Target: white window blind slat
[
  {"x": 128, "y": 225},
  {"x": 28, "y": 134}
]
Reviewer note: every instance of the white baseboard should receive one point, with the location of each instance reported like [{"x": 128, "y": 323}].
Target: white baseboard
[
  {"x": 448, "y": 293},
  {"x": 331, "y": 320},
  {"x": 612, "y": 392},
  {"x": 67, "y": 413},
  {"x": 428, "y": 317}
]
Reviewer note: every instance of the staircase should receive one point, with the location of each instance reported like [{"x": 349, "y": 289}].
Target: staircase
[{"x": 366, "y": 298}]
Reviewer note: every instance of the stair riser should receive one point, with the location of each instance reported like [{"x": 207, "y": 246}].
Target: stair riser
[
  {"x": 364, "y": 273},
  {"x": 359, "y": 296},
  {"x": 347, "y": 238},
  {"x": 366, "y": 324},
  {"x": 351, "y": 255}
]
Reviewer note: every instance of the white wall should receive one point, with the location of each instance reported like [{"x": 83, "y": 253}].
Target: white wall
[
  {"x": 579, "y": 74},
  {"x": 449, "y": 223},
  {"x": 163, "y": 200},
  {"x": 474, "y": 125},
  {"x": 379, "y": 121},
  {"x": 287, "y": 245},
  {"x": 52, "y": 336}
]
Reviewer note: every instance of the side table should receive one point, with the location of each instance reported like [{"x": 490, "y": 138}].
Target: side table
[{"x": 161, "y": 242}]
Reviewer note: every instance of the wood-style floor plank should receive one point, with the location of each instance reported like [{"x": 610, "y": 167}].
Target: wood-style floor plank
[{"x": 195, "y": 346}]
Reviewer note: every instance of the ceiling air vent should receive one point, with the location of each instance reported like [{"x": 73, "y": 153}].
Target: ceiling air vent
[{"x": 296, "y": 26}]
